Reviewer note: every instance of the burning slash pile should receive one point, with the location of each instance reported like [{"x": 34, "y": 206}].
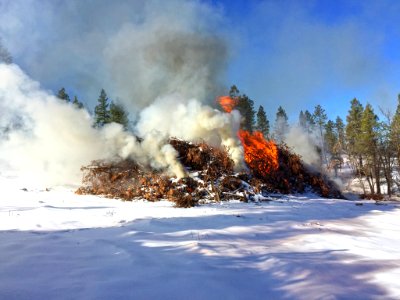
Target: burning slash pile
[
  {"x": 210, "y": 169},
  {"x": 210, "y": 174}
]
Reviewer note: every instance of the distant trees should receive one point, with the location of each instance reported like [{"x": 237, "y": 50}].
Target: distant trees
[
  {"x": 62, "y": 95},
  {"x": 353, "y": 135},
  {"x": 107, "y": 112},
  {"x": 281, "y": 125},
  {"x": 371, "y": 145},
  {"x": 369, "y": 149},
  {"x": 320, "y": 118},
  {"x": 101, "y": 111},
  {"x": 262, "y": 122},
  {"x": 340, "y": 127},
  {"x": 246, "y": 108},
  {"x": 306, "y": 121},
  {"x": 119, "y": 115},
  {"x": 331, "y": 138},
  {"x": 77, "y": 103},
  {"x": 395, "y": 130}
]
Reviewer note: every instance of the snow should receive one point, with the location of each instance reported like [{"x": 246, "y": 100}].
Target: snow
[{"x": 58, "y": 245}]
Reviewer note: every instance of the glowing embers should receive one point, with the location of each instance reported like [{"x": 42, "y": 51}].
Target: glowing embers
[
  {"x": 227, "y": 103},
  {"x": 259, "y": 154}
]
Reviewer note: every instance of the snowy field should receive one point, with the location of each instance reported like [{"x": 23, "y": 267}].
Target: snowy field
[{"x": 57, "y": 245}]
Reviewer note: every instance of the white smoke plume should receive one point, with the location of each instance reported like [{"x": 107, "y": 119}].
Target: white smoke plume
[
  {"x": 163, "y": 68},
  {"x": 303, "y": 144},
  {"x": 190, "y": 120},
  {"x": 155, "y": 60},
  {"x": 55, "y": 139}
]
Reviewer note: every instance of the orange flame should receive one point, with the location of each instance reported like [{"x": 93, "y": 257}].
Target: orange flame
[
  {"x": 227, "y": 103},
  {"x": 260, "y": 155}
]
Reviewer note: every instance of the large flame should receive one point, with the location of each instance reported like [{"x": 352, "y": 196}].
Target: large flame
[
  {"x": 260, "y": 155},
  {"x": 227, "y": 103}
]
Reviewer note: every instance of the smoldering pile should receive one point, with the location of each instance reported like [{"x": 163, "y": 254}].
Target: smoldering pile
[{"x": 210, "y": 177}]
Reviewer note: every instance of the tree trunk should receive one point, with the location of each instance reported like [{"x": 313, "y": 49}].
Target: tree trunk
[{"x": 377, "y": 171}]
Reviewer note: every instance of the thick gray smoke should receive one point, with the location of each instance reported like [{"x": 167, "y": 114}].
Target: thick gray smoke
[{"x": 154, "y": 59}]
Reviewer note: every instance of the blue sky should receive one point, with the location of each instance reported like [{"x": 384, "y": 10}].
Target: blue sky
[
  {"x": 292, "y": 53},
  {"x": 301, "y": 53}
]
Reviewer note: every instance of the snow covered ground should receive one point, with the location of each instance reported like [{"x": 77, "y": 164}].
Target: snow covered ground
[{"x": 57, "y": 245}]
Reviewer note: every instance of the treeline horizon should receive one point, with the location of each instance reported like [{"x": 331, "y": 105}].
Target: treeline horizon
[{"x": 371, "y": 145}]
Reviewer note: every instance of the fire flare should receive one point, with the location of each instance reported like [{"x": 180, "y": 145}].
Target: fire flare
[
  {"x": 227, "y": 103},
  {"x": 260, "y": 155}
]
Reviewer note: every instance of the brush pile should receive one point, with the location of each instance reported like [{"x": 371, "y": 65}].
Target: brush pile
[
  {"x": 292, "y": 176},
  {"x": 210, "y": 177}
]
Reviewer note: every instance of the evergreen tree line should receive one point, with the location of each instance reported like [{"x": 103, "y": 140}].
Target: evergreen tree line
[
  {"x": 371, "y": 145},
  {"x": 105, "y": 111}
]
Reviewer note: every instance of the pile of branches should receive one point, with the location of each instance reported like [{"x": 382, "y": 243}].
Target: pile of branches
[
  {"x": 292, "y": 176},
  {"x": 211, "y": 178},
  {"x": 210, "y": 162}
]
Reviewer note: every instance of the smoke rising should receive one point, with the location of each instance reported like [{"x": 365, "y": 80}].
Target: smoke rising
[
  {"x": 135, "y": 50},
  {"x": 156, "y": 60},
  {"x": 191, "y": 120},
  {"x": 303, "y": 144},
  {"x": 163, "y": 69},
  {"x": 54, "y": 139}
]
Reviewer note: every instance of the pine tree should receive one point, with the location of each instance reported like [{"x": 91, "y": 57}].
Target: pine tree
[
  {"x": 281, "y": 125},
  {"x": 353, "y": 129},
  {"x": 333, "y": 146},
  {"x": 62, "y": 94},
  {"x": 262, "y": 122},
  {"x": 101, "y": 112},
  {"x": 320, "y": 118},
  {"x": 77, "y": 103},
  {"x": 310, "y": 122},
  {"x": 389, "y": 146},
  {"x": 234, "y": 92},
  {"x": 246, "y": 107},
  {"x": 395, "y": 129},
  {"x": 368, "y": 143},
  {"x": 339, "y": 126},
  {"x": 118, "y": 115},
  {"x": 302, "y": 120},
  {"x": 331, "y": 138}
]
